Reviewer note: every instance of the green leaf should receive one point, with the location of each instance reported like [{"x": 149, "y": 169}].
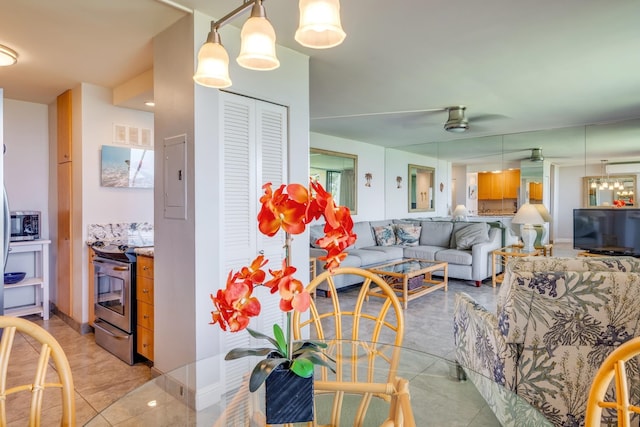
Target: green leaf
[
  {"x": 237, "y": 353},
  {"x": 302, "y": 367},
  {"x": 316, "y": 360},
  {"x": 262, "y": 370},
  {"x": 281, "y": 342},
  {"x": 261, "y": 336}
]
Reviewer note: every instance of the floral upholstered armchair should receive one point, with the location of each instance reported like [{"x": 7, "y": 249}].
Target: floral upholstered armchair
[{"x": 557, "y": 319}]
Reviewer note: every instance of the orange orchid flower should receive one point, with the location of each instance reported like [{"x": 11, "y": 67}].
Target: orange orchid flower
[
  {"x": 253, "y": 274},
  {"x": 280, "y": 275},
  {"x": 293, "y": 295},
  {"x": 234, "y": 305},
  {"x": 280, "y": 209}
]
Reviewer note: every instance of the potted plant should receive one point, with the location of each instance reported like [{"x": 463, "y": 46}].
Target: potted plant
[{"x": 290, "y": 208}]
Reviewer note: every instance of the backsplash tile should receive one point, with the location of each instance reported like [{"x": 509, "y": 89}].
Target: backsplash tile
[{"x": 119, "y": 231}]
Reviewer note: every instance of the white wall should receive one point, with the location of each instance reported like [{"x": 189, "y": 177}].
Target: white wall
[
  {"x": 371, "y": 200},
  {"x": 187, "y": 266},
  {"x": 397, "y": 199},
  {"x": 26, "y": 162}
]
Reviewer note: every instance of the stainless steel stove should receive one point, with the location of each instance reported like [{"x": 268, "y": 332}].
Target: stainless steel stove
[{"x": 114, "y": 295}]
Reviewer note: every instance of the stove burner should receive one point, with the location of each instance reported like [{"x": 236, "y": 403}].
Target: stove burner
[{"x": 120, "y": 250}]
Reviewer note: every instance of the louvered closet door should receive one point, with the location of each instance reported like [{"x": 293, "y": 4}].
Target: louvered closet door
[{"x": 254, "y": 138}]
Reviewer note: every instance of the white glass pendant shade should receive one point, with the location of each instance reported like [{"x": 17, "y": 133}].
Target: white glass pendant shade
[
  {"x": 258, "y": 45},
  {"x": 213, "y": 66},
  {"x": 320, "y": 26}
]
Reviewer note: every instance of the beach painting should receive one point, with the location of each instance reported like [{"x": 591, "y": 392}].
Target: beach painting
[{"x": 126, "y": 167}]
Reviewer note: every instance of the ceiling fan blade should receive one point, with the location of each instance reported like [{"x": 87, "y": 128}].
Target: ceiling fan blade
[{"x": 381, "y": 113}]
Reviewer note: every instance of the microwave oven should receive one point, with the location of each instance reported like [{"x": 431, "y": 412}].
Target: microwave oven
[{"x": 25, "y": 225}]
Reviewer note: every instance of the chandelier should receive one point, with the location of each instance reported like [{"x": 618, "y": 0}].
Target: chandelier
[
  {"x": 606, "y": 183},
  {"x": 319, "y": 28}
]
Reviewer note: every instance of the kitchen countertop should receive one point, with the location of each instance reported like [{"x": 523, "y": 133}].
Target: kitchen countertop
[{"x": 144, "y": 251}]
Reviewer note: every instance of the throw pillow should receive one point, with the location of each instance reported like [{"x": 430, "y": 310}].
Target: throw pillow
[
  {"x": 408, "y": 234},
  {"x": 384, "y": 235},
  {"x": 470, "y": 235},
  {"x": 315, "y": 232}
]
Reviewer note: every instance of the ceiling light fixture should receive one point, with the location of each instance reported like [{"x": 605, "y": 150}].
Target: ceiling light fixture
[
  {"x": 457, "y": 122},
  {"x": 8, "y": 56},
  {"x": 320, "y": 28}
]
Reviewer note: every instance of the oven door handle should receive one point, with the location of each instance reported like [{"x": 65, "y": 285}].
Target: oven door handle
[
  {"x": 118, "y": 268},
  {"x": 110, "y": 330}
]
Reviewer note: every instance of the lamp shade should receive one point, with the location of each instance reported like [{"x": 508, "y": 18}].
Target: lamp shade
[
  {"x": 320, "y": 26},
  {"x": 258, "y": 42},
  {"x": 213, "y": 64},
  {"x": 544, "y": 213},
  {"x": 460, "y": 212},
  {"x": 527, "y": 214}
]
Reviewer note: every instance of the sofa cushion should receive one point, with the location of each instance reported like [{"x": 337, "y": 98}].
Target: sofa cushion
[
  {"x": 408, "y": 234},
  {"x": 471, "y": 234},
  {"x": 435, "y": 233},
  {"x": 385, "y": 235},
  {"x": 380, "y": 223},
  {"x": 364, "y": 233},
  {"x": 369, "y": 257},
  {"x": 458, "y": 225},
  {"x": 393, "y": 252},
  {"x": 422, "y": 252},
  {"x": 315, "y": 232},
  {"x": 454, "y": 256}
]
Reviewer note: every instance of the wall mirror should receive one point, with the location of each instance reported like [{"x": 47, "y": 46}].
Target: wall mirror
[
  {"x": 421, "y": 188},
  {"x": 614, "y": 190},
  {"x": 337, "y": 173}
]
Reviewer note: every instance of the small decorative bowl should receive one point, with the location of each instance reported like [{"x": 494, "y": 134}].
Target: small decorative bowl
[{"x": 11, "y": 278}]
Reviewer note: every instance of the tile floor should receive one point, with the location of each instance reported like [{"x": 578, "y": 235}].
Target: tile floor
[{"x": 100, "y": 378}]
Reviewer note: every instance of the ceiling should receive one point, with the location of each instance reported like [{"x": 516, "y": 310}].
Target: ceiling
[{"x": 516, "y": 66}]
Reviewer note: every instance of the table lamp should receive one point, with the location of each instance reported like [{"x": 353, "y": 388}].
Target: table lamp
[
  {"x": 527, "y": 215},
  {"x": 460, "y": 213},
  {"x": 541, "y": 230}
]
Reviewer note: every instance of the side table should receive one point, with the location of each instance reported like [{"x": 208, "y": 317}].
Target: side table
[{"x": 504, "y": 254}]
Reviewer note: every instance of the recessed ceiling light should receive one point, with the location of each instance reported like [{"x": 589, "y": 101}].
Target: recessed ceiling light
[
  {"x": 8, "y": 56},
  {"x": 150, "y": 104}
]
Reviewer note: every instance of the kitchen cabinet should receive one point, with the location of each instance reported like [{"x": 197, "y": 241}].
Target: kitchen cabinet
[
  {"x": 30, "y": 295},
  {"x": 64, "y": 127},
  {"x": 535, "y": 192},
  {"x": 511, "y": 183},
  {"x": 498, "y": 186},
  {"x": 64, "y": 261},
  {"x": 490, "y": 185},
  {"x": 144, "y": 305}
]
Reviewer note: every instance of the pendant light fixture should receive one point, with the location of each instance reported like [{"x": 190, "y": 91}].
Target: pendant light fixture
[
  {"x": 258, "y": 46},
  {"x": 8, "y": 56},
  {"x": 319, "y": 28},
  {"x": 213, "y": 63}
]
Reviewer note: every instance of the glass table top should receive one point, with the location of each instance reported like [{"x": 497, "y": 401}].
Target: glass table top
[{"x": 210, "y": 393}]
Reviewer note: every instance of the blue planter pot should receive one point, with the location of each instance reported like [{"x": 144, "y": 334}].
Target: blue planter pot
[{"x": 288, "y": 397}]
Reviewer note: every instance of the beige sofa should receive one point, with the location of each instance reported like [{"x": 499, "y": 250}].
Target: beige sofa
[{"x": 466, "y": 250}]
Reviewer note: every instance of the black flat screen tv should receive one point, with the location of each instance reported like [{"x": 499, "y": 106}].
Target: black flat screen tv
[{"x": 607, "y": 231}]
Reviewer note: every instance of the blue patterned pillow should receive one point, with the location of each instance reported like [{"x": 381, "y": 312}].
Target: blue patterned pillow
[
  {"x": 384, "y": 235},
  {"x": 408, "y": 234}
]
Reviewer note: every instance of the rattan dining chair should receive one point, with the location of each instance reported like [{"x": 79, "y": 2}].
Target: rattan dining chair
[
  {"x": 372, "y": 329},
  {"x": 614, "y": 368},
  {"x": 50, "y": 349}
]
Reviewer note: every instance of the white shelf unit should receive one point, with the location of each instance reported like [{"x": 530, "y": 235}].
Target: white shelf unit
[{"x": 37, "y": 278}]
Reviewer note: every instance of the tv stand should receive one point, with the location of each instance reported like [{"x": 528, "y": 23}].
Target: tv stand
[{"x": 604, "y": 254}]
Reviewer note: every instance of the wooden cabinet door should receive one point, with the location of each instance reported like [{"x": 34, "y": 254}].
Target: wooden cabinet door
[
  {"x": 64, "y": 262},
  {"x": 484, "y": 185},
  {"x": 64, "y": 127},
  {"x": 497, "y": 186},
  {"x": 535, "y": 191},
  {"x": 511, "y": 184}
]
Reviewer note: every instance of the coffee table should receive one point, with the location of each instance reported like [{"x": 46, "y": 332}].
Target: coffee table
[{"x": 411, "y": 278}]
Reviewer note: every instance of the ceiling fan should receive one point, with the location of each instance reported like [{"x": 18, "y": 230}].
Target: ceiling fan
[{"x": 456, "y": 122}]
